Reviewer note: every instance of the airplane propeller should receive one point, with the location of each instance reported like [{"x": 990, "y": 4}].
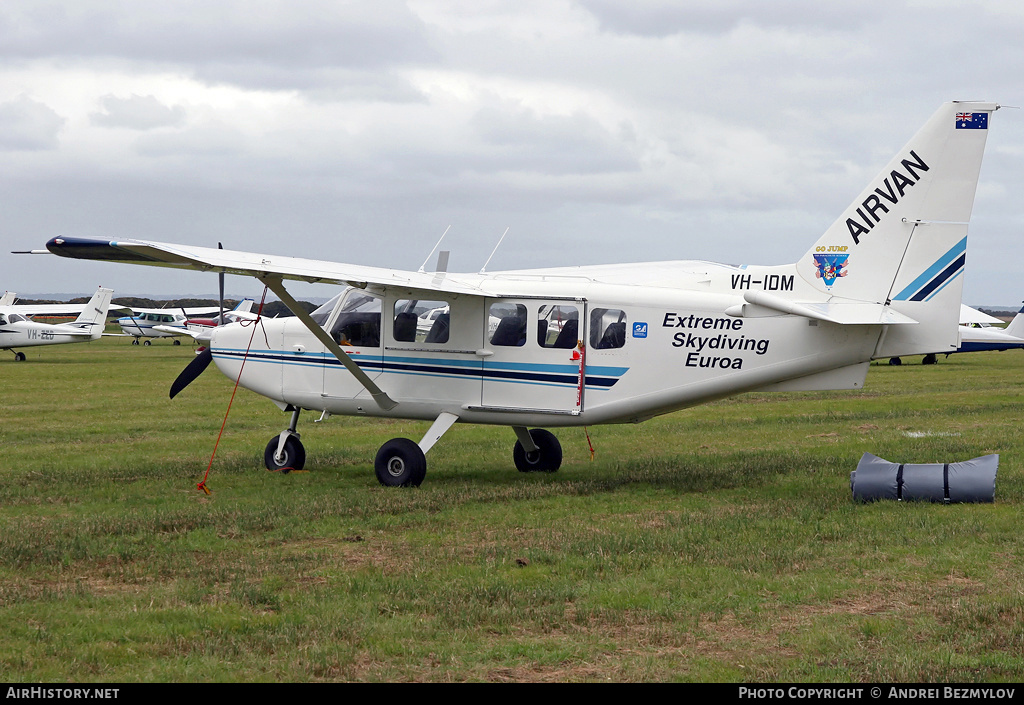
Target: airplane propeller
[
  {"x": 192, "y": 370},
  {"x": 203, "y": 358}
]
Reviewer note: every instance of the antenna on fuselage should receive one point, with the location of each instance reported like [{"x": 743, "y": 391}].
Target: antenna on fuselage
[
  {"x": 423, "y": 266},
  {"x": 494, "y": 250}
]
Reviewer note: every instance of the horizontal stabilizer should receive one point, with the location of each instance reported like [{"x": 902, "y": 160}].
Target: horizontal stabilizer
[{"x": 851, "y": 313}]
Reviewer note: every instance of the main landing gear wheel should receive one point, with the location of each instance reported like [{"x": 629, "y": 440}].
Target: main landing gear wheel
[
  {"x": 929, "y": 359},
  {"x": 547, "y": 457},
  {"x": 135, "y": 341},
  {"x": 19, "y": 357},
  {"x": 176, "y": 342},
  {"x": 147, "y": 342},
  {"x": 293, "y": 455},
  {"x": 400, "y": 463}
]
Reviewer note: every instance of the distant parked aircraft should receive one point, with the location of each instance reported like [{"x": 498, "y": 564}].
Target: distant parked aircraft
[
  {"x": 979, "y": 332},
  {"x": 147, "y": 323},
  {"x": 17, "y": 331}
]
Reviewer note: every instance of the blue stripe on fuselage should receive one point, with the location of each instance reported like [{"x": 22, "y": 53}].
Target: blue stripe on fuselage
[{"x": 523, "y": 372}]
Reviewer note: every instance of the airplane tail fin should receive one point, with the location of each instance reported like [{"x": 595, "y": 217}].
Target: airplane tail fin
[
  {"x": 903, "y": 241},
  {"x": 1016, "y": 326},
  {"x": 95, "y": 312}
]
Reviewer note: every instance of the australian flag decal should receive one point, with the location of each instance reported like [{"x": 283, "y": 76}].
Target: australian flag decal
[
  {"x": 830, "y": 267},
  {"x": 972, "y": 121}
]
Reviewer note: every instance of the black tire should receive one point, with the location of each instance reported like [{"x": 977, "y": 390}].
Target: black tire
[
  {"x": 19, "y": 357},
  {"x": 147, "y": 341},
  {"x": 895, "y": 361},
  {"x": 294, "y": 455},
  {"x": 177, "y": 342},
  {"x": 548, "y": 457},
  {"x": 929, "y": 359},
  {"x": 400, "y": 463},
  {"x": 135, "y": 341}
]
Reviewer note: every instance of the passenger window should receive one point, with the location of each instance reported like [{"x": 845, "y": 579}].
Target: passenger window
[
  {"x": 607, "y": 328},
  {"x": 558, "y": 327},
  {"x": 507, "y": 324},
  {"x": 358, "y": 322},
  {"x": 418, "y": 321}
]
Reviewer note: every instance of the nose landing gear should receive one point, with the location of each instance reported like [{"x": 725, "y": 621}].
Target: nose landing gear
[{"x": 285, "y": 452}]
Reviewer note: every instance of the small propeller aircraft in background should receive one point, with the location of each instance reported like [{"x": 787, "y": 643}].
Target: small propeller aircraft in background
[
  {"x": 17, "y": 331},
  {"x": 980, "y": 332},
  {"x": 147, "y": 323},
  {"x": 618, "y": 343}
]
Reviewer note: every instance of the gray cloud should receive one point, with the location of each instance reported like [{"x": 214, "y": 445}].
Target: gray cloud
[
  {"x": 27, "y": 124},
  {"x": 254, "y": 43},
  {"x": 137, "y": 113}
]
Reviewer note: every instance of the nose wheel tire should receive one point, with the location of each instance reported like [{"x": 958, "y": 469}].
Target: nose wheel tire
[
  {"x": 293, "y": 456},
  {"x": 400, "y": 463},
  {"x": 547, "y": 457}
]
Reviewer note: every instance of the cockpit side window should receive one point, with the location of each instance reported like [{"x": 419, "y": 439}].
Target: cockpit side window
[{"x": 358, "y": 322}]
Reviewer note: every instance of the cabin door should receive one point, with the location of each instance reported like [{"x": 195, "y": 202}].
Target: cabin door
[{"x": 531, "y": 354}]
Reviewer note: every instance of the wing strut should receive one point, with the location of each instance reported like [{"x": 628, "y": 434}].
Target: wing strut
[{"x": 276, "y": 285}]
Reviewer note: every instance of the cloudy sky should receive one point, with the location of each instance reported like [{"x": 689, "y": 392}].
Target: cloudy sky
[{"x": 596, "y": 131}]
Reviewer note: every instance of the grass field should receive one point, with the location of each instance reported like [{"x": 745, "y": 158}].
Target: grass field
[{"x": 715, "y": 544}]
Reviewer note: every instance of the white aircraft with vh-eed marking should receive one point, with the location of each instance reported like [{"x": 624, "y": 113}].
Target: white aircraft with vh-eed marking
[
  {"x": 17, "y": 331},
  {"x": 632, "y": 341}
]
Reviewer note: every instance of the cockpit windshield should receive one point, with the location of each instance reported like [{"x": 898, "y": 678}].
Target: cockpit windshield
[{"x": 323, "y": 312}]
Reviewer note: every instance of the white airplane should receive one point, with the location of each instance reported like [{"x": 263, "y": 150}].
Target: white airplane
[
  {"x": 147, "y": 323},
  {"x": 17, "y": 331},
  {"x": 978, "y": 333},
  {"x": 882, "y": 281}
]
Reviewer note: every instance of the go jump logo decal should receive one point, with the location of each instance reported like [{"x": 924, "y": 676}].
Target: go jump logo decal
[{"x": 830, "y": 267}]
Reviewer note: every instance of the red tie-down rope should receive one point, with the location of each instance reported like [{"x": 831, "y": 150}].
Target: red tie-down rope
[{"x": 202, "y": 485}]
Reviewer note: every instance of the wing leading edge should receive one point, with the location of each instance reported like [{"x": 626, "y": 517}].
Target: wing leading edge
[{"x": 160, "y": 254}]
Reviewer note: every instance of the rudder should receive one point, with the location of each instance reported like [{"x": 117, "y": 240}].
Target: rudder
[{"x": 95, "y": 312}]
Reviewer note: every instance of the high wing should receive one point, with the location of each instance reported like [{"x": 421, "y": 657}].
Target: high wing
[
  {"x": 970, "y": 316},
  {"x": 30, "y": 310},
  {"x": 253, "y": 264},
  {"x": 188, "y": 311}
]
